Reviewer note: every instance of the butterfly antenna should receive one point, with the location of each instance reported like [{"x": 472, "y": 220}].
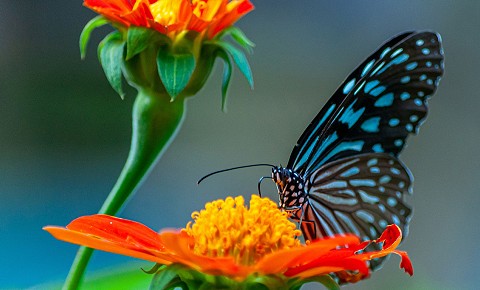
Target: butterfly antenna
[{"x": 233, "y": 168}]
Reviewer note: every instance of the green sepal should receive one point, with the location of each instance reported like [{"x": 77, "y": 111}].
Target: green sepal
[
  {"x": 239, "y": 58},
  {"x": 139, "y": 38},
  {"x": 154, "y": 269},
  {"x": 110, "y": 54},
  {"x": 166, "y": 278},
  {"x": 175, "y": 70},
  {"x": 172, "y": 276},
  {"x": 177, "y": 275},
  {"x": 240, "y": 37},
  {"x": 269, "y": 282},
  {"x": 203, "y": 68},
  {"x": 227, "y": 75},
  {"x": 325, "y": 280},
  {"x": 87, "y": 30}
]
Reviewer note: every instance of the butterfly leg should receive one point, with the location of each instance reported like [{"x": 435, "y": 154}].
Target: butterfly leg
[
  {"x": 259, "y": 183},
  {"x": 301, "y": 218},
  {"x": 293, "y": 214},
  {"x": 302, "y": 215}
]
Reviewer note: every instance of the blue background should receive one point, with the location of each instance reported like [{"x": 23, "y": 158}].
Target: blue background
[{"x": 64, "y": 133}]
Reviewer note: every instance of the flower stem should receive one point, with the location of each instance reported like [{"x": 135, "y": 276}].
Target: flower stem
[{"x": 155, "y": 122}]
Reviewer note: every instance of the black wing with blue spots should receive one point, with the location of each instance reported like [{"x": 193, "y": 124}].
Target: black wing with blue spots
[
  {"x": 377, "y": 107},
  {"x": 347, "y": 156},
  {"x": 361, "y": 194}
]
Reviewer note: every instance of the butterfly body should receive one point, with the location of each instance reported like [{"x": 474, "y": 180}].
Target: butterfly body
[
  {"x": 344, "y": 175},
  {"x": 291, "y": 189}
]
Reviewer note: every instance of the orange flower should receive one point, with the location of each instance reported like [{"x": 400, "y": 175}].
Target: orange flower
[
  {"x": 173, "y": 16},
  {"x": 231, "y": 240}
]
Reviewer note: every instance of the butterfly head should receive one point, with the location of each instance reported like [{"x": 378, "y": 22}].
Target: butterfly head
[{"x": 291, "y": 188}]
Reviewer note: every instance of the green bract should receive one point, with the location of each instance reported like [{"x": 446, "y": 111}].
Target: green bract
[
  {"x": 177, "y": 276},
  {"x": 150, "y": 60}
]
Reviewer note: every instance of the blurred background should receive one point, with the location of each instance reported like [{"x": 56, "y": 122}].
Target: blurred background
[{"x": 64, "y": 133}]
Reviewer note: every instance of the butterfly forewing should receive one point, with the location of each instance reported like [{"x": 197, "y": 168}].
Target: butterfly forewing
[
  {"x": 317, "y": 126},
  {"x": 377, "y": 107}
]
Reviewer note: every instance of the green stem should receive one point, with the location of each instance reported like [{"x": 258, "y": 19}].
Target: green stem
[{"x": 155, "y": 122}]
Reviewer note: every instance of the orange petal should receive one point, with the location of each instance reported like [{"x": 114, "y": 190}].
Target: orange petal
[
  {"x": 279, "y": 261},
  {"x": 121, "y": 11},
  {"x": 118, "y": 5},
  {"x": 179, "y": 244},
  {"x": 90, "y": 241},
  {"x": 122, "y": 231},
  {"x": 329, "y": 265},
  {"x": 235, "y": 11},
  {"x": 405, "y": 263},
  {"x": 391, "y": 238},
  {"x": 114, "y": 235}
]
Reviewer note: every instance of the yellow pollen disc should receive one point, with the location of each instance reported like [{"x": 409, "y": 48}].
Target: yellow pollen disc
[
  {"x": 165, "y": 12},
  {"x": 228, "y": 228},
  {"x": 206, "y": 10}
]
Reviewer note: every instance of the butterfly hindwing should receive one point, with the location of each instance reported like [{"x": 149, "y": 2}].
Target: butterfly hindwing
[
  {"x": 361, "y": 194},
  {"x": 377, "y": 107}
]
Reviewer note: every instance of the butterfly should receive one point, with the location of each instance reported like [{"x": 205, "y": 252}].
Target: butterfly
[{"x": 344, "y": 175}]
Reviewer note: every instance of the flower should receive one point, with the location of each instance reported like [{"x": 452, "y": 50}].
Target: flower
[
  {"x": 173, "y": 16},
  {"x": 168, "y": 47},
  {"x": 166, "y": 50},
  {"x": 228, "y": 239}
]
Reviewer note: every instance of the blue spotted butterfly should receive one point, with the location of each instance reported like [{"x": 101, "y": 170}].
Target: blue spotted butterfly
[{"x": 343, "y": 175}]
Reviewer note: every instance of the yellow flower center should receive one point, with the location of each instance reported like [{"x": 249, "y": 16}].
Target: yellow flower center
[
  {"x": 165, "y": 12},
  {"x": 228, "y": 228},
  {"x": 206, "y": 9}
]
